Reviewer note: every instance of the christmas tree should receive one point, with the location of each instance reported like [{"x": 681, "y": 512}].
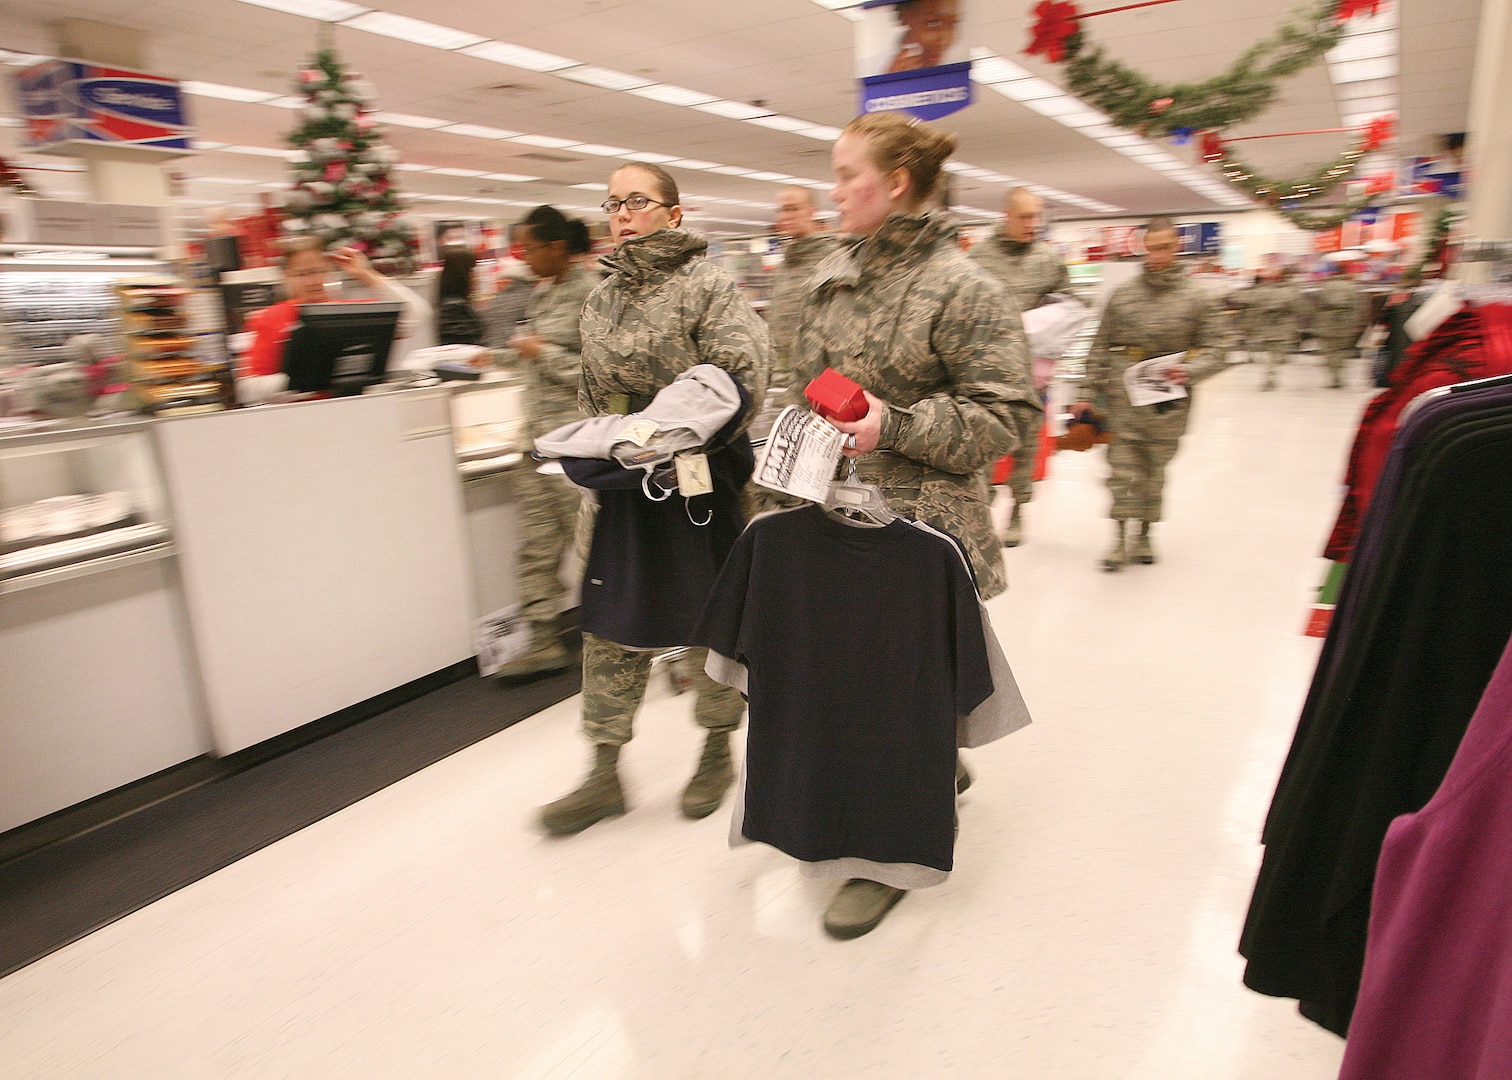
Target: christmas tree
[{"x": 342, "y": 192}]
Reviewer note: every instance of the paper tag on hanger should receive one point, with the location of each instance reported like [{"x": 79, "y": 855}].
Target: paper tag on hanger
[
  {"x": 693, "y": 475},
  {"x": 639, "y": 431}
]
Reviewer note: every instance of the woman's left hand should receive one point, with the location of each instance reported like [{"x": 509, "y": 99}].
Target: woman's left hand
[
  {"x": 527, "y": 345},
  {"x": 355, "y": 264},
  {"x": 1177, "y": 375},
  {"x": 867, "y": 431}
]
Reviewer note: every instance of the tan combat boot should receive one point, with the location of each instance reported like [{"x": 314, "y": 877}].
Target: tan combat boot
[
  {"x": 599, "y": 797},
  {"x": 1013, "y": 536},
  {"x": 1117, "y": 554},
  {"x": 859, "y": 906},
  {"x": 715, "y": 774},
  {"x": 1140, "y": 550},
  {"x": 546, "y": 656}
]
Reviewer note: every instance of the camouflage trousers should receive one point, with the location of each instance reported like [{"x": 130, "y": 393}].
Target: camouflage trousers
[
  {"x": 1337, "y": 352},
  {"x": 614, "y": 684},
  {"x": 1137, "y": 479},
  {"x": 548, "y": 507},
  {"x": 1270, "y": 353},
  {"x": 1021, "y": 479}
]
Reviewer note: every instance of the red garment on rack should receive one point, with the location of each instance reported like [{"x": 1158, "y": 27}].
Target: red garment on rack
[
  {"x": 1436, "y": 996},
  {"x": 1474, "y": 343}
]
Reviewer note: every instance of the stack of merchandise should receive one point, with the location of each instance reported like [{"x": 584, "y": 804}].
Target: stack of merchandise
[{"x": 168, "y": 375}]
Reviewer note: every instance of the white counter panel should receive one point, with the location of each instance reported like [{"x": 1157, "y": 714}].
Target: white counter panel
[
  {"x": 96, "y": 689},
  {"x": 324, "y": 554}
]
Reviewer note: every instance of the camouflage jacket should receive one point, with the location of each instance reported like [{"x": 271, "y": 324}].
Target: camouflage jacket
[
  {"x": 663, "y": 309},
  {"x": 1030, "y": 271},
  {"x": 789, "y": 287},
  {"x": 1343, "y": 309},
  {"x": 1154, "y": 314},
  {"x": 911, "y": 319},
  {"x": 552, "y": 378},
  {"x": 1271, "y": 312}
]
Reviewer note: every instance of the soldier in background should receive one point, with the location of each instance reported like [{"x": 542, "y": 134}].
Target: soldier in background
[
  {"x": 1031, "y": 270},
  {"x": 807, "y": 244},
  {"x": 1343, "y": 310},
  {"x": 548, "y": 349},
  {"x": 1271, "y": 310},
  {"x": 1158, "y": 313}
]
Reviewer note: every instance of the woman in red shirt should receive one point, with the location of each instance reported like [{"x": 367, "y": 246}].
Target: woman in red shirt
[{"x": 305, "y": 268}]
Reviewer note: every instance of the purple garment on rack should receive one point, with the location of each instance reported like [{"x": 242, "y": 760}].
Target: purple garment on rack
[{"x": 1436, "y": 994}]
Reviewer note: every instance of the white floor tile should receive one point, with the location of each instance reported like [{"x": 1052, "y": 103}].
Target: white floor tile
[{"x": 1104, "y": 865}]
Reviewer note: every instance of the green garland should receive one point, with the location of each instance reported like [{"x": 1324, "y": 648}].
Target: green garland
[
  {"x": 1282, "y": 195},
  {"x": 1246, "y": 89},
  {"x": 1438, "y": 241}
]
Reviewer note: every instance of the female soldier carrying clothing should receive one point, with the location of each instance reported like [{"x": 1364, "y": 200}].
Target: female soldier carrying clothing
[{"x": 662, "y": 310}]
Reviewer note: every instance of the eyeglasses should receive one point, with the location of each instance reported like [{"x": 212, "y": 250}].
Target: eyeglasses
[{"x": 634, "y": 202}]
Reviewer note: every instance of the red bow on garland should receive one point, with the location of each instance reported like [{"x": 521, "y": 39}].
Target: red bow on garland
[
  {"x": 1348, "y": 9},
  {"x": 1378, "y": 133},
  {"x": 1380, "y": 184},
  {"x": 1211, "y": 146},
  {"x": 1055, "y": 21}
]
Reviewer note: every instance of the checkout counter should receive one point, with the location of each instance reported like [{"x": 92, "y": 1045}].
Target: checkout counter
[{"x": 265, "y": 567}]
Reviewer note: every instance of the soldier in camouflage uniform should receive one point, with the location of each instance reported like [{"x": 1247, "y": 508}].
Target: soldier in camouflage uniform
[
  {"x": 1031, "y": 270},
  {"x": 662, "y": 309},
  {"x": 806, "y": 247},
  {"x": 1272, "y": 308},
  {"x": 1159, "y": 312},
  {"x": 940, "y": 352},
  {"x": 549, "y": 354},
  {"x": 1343, "y": 310}
]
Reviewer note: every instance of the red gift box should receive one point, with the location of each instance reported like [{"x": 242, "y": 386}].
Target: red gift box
[{"x": 835, "y": 397}]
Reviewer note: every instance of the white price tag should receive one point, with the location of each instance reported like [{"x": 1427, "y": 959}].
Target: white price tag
[
  {"x": 499, "y": 638},
  {"x": 693, "y": 475},
  {"x": 639, "y": 431}
]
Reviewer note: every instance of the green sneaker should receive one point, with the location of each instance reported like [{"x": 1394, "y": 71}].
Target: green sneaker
[{"x": 859, "y": 907}]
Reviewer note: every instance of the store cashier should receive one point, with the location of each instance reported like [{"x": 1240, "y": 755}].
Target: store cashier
[{"x": 306, "y": 266}]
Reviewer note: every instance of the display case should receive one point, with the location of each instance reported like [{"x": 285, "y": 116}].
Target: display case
[
  {"x": 48, "y": 295},
  {"x": 78, "y": 499}
]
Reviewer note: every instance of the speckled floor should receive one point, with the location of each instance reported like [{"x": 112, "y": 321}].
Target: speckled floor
[{"x": 1104, "y": 863}]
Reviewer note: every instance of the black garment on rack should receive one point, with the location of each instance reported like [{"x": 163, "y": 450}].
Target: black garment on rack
[
  {"x": 651, "y": 565},
  {"x": 1420, "y": 626},
  {"x": 863, "y": 647}
]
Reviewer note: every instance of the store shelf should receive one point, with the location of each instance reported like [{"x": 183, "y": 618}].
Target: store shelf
[{"x": 48, "y": 564}]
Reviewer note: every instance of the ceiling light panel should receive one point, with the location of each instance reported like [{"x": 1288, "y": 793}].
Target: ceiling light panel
[
  {"x": 1380, "y": 67},
  {"x": 780, "y": 123},
  {"x": 417, "y": 31},
  {"x": 510, "y": 178},
  {"x": 449, "y": 171},
  {"x": 257, "y": 151},
  {"x": 1364, "y": 47},
  {"x": 650, "y": 158},
  {"x": 692, "y": 163},
  {"x": 324, "y": 10},
  {"x": 502, "y": 52},
  {"x": 227, "y": 93},
  {"x": 599, "y": 150},
  {"x": 409, "y": 120},
  {"x": 1028, "y": 90},
  {"x": 604, "y": 77},
  {"x": 548, "y": 142},
  {"x": 732, "y": 170},
  {"x": 733, "y": 110},
  {"x": 673, "y": 95},
  {"x": 479, "y": 131}
]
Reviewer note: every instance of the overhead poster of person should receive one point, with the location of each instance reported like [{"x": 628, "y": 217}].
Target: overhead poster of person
[{"x": 914, "y": 56}]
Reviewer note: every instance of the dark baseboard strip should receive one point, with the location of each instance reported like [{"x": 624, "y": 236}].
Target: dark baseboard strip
[{"x": 85, "y": 867}]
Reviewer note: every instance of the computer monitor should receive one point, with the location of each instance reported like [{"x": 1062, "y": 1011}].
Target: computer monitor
[{"x": 340, "y": 347}]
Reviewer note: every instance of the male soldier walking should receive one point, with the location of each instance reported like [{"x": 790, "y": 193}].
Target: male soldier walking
[
  {"x": 1159, "y": 313},
  {"x": 1272, "y": 307},
  {"x": 806, "y": 246},
  {"x": 1031, "y": 270},
  {"x": 1343, "y": 309}
]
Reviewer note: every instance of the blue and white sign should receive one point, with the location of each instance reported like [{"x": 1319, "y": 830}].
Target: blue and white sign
[
  {"x": 913, "y": 56},
  {"x": 66, "y": 103}
]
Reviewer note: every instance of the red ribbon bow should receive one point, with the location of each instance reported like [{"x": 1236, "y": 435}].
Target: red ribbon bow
[
  {"x": 1055, "y": 21},
  {"x": 1211, "y": 146},
  {"x": 1377, "y": 133},
  {"x": 1348, "y": 9}
]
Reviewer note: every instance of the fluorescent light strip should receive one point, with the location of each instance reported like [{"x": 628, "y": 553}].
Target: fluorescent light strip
[
  {"x": 324, "y": 10},
  {"x": 673, "y": 95},
  {"x": 479, "y": 131},
  {"x": 501, "y": 52},
  {"x": 416, "y": 31},
  {"x": 406, "y": 119},
  {"x": 227, "y": 93},
  {"x": 597, "y": 76}
]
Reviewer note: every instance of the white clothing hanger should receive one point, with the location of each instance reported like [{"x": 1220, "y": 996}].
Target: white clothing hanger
[{"x": 851, "y": 497}]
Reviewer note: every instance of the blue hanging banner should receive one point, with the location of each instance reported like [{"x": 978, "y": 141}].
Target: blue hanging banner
[{"x": 912, "y": 56}]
